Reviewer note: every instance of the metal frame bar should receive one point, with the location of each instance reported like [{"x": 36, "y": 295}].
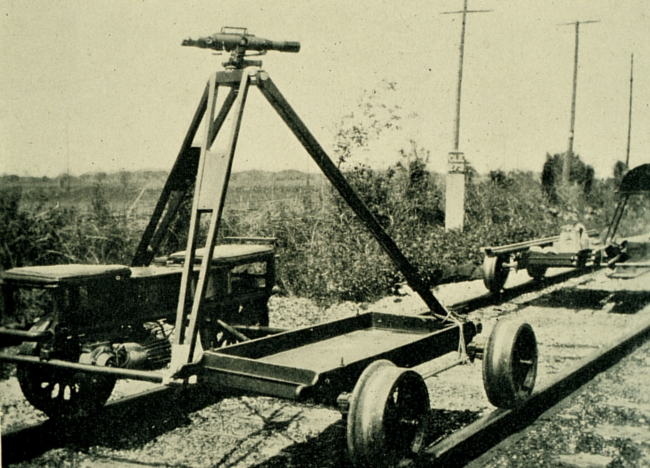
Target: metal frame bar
[
  {"x": 616, "y": 219},
  {"x": 521, "y": 246},
  {"x": 149, "y": 376},
  {"x": 242, "y": 366},
  {"x": 15, "y": 337}
]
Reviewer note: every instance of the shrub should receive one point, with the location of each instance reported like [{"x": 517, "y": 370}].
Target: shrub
[
  {"x": 325, "y": 252},
  {"x": 328, "y": 255},
  {"x": 579, "y": 173}
]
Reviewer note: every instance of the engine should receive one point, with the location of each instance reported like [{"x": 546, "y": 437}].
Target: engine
[{"x": 151, "y": 351}]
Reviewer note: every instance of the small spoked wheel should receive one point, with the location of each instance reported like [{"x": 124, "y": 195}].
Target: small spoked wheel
[
  {"x": 510, "y": 364},
  {"x": 387, "y": 417},
  {"x": 63, "y": 393},
  {"x": 536, "y": 272},
  {"x": 494, "y": 273}
]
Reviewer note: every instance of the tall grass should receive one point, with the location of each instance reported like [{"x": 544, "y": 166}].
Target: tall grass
[
  {"x": 328, "y": 255},
  {"x": 325, "y": 253},
  {"x": 48, "y": 235}
]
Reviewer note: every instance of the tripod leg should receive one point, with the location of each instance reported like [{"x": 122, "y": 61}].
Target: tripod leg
[
  {"x": 144, "y": 253},
  {"x": 318, "y": 154}
]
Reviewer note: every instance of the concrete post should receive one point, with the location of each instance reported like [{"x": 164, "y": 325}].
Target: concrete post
[{"x": 455, "y": 194}]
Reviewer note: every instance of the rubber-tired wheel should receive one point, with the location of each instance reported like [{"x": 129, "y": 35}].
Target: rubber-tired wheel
[
  {"x": 510, "y": 364},
  {"x": 536, "y": 272},
  {"x": 388, "y": 411},
  {"x": 494, "y": 274},
  {"x": 63, "y": 393}
]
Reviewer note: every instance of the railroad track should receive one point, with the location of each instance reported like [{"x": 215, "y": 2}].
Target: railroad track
[
  {"x": 468, "y": 444},
  {"x": 167, "y": 407},
  {"x": 153, "y": 412},
  {"x": 487, "y": 299}
]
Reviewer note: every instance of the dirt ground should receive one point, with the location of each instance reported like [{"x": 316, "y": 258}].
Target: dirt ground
[{"x": 605, "y": 424}]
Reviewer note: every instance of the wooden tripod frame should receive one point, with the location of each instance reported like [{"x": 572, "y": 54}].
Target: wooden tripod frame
[{"x": 209, "y": 172}]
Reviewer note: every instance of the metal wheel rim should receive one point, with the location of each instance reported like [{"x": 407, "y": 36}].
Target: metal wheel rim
[
  {"x": 403, "y": 415},
  {"x": 387, "y": 419},
  {"x": 510, "y": 364},
  {"x": 494, "y": 275},
  {"x": 62, "y": 393},
  {"x": 524, "y": 362}
]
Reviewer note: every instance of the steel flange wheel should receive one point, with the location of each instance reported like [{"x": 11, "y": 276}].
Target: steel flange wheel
[
  {"x": 63, "y": 393},
  {"x": 494, "y": 274},
  {"x": 387, "y": 417},
  {"x": 510, "y": 364}
]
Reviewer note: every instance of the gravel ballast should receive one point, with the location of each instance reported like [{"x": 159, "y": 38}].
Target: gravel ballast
[{"x": 606, "y": 422}]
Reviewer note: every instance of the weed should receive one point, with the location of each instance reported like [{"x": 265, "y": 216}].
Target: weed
[{"x": 325, "y": 253}]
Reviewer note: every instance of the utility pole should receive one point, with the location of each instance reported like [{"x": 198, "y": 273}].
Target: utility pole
[
  {"x": 455, "y": 192},
  {"x": 629, "y": 119},
  {"x": 566, "y": 167}
]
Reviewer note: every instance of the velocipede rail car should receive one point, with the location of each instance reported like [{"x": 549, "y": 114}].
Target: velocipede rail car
[
  {"x": 202, "y": 314},
  {"x": 577, "y": 247}
]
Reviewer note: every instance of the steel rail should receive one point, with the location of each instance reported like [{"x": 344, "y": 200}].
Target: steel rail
[
  {"x": 33, "y": 440},
  {"x": 469, "y": 443},
  {"x": 460, "y": 449},
  {"x": 159, "y": 409},
  {"x": 468, "y": 305}
]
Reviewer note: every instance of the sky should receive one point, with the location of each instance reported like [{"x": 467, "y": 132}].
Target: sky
[{"x": 90, "y": 85}]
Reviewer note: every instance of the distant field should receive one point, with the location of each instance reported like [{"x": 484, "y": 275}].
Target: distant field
[{"x": 135, "y": 193}]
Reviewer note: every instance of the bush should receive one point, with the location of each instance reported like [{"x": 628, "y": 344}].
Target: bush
[
  {"x": 325, "y": 252},
  {"x": 579, "y": 174},
  {"x": 328, "y": 255}
]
